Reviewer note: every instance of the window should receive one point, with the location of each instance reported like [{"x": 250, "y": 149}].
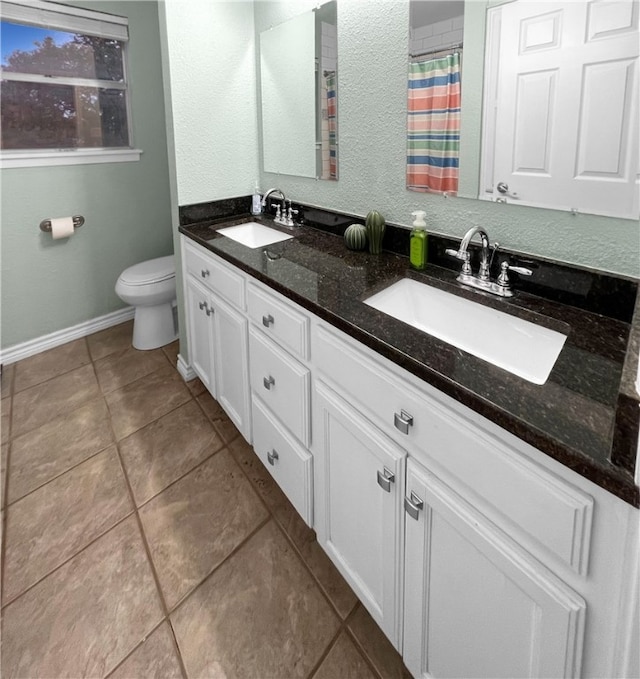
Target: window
[{"x": 64, "y": 94}]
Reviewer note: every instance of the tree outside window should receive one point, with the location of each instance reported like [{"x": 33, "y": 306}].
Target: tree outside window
[{"x": 61, "y": 90}]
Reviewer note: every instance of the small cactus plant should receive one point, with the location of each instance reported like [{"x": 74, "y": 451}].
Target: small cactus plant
[
  {"x": 375, "y": 231},
  {"x": 355, "y": 237}
]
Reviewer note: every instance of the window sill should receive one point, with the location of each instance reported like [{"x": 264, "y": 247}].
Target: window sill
[{"x": 12, "y": 159}]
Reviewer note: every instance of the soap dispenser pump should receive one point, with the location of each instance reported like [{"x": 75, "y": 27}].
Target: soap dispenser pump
[{"x": 418, "y": 241}]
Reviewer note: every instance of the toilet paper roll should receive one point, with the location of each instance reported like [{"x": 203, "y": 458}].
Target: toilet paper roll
[{"x": 62, "y": 227}]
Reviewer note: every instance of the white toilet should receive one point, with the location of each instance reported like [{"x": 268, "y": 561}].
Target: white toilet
[{"x": 150, "y": 287}]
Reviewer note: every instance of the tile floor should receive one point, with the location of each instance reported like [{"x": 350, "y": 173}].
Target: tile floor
[{"x": 143, "y": 538}]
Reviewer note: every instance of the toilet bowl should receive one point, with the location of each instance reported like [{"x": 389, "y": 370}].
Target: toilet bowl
[{"x": 150, "y": 287}]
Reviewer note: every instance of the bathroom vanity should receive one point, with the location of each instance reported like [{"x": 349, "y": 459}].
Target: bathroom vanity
[{"x": 477, "y": 515}]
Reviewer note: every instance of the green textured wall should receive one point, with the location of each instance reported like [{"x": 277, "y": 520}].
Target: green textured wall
[
  {"x": 372, "y": 70},
  {"x": 51, "y": 285}
]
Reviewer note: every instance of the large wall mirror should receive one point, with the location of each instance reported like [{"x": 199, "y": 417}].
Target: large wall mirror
[
  {"x": 557, "y": 104},
  {"x": 298, "y": 86},
  {"x": 433, "y": 96}
]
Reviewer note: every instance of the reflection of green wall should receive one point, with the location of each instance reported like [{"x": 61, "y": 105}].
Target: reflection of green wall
[
  {"x": 471, "y": 104},
  {"x": 372, "y": 70},
  {"x": 51, "y": 285}
]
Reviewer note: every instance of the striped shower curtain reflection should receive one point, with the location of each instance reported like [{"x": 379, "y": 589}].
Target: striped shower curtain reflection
[
  {"x": 433, "y": 139},
  {"x": 332, "y": 108}
]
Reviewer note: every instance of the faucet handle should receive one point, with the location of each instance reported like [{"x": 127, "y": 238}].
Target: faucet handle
[
  {"x": 503, "y": 279},
  {"x": 458, "y": 254},
  {"x": 464, "y": 256},
  {"x": 522, "y": 270}
]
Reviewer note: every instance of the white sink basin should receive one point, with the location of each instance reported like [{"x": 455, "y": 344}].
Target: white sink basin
[
  {"x": 521, "y": 347},
  {"x": 254, "y": 235}
]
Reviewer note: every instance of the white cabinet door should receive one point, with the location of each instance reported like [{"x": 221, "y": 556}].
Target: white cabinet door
[
  {"x": 200, "y": 332},
  {"x": 358, "y": 477},
  {"x": 476, "y": 605},
  {"x": 231, "y": 364}
]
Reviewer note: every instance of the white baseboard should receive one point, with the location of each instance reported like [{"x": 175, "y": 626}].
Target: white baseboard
[
  {"x": 185, "y": 369},
  {"x": 25, "y": 349}
]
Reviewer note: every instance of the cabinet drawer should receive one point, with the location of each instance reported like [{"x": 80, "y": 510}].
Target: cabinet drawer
[
  {"x": 281, "y": 382},
  {"x": 216, "y": 275},
  {"x": 279, "y": 320},
  {"x": 288, "y": 463},
  {"x": 548, "y": 515},
  {"x": 379, "y": 392}
]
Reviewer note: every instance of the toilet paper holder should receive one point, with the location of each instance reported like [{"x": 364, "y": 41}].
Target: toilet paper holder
[{"x": 45, "y": 224}]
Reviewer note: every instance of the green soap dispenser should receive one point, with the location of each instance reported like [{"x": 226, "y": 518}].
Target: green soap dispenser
[{"x": 418, "y": 241}]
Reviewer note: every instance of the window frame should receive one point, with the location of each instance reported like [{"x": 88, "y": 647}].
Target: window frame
[{"x": 45, "y": 14}]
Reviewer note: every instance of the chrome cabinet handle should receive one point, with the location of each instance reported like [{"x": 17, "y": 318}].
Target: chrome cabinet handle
[
  {"x": 413, "y": 505},
  {"x": 385, "y": 479},
  {"x": 403, "y": 421},
  {"x": 268, "y": 382},
  {"x": 205, "y": 307},
  {"x": 267, "y": 320},
  {"x": 272, "y": 457},
  {"x": 205, "y": 272}
]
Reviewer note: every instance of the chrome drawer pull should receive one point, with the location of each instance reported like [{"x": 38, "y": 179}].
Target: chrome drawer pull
[
  {"x": 205, "y": 272},
  {"x": 267, "y": 320},
  {"x": 403, "y": 421},
  {"x": 413, "y": 505},
  {"x": 385, "y": 479},
  {"x": 272, "y": 457},
  {"x": 268, "y": 382},
  {"x": 205, "y": 307}
]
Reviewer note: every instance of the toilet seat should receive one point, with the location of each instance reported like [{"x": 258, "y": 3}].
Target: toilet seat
[{"x": 151, "y": 271}]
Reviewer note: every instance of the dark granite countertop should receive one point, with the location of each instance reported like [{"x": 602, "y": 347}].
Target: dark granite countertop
[{"x": 586, "y": 414}]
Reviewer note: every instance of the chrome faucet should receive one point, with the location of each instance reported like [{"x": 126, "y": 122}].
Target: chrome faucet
[
  {"x": 483, "y": 271},
  {"x": 482, "y": 281},
  {"x": 268, "y": 194},
  {"x": 284, "y": 213}
]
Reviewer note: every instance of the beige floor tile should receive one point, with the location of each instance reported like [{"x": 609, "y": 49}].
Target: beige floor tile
[
  {"x": 126, "y": 366},
  {"x": 196, "y": 387},
  {"x": 166, "y": 449},
  {"x": 53, "y": 523},
  {"x": 5, "y": 422},
  {"x": 47, "y": 364},
  {"x": 60, "y": 395},
  {"x": 329, "y": 579},
  {"x": 375, "y": 645},
  {"x": 171, "y": 351},
  {"x": 144, "y": 400},
  {"x": 197, "y": 522},
  {"x": 216, "y": 414},
  {"x": 344, "y": 661},
  {"x": 335, "y": 587},
  {"x": 258, "y": 615},
  {"x": 155, "y": 658},
  {"x": 49, "y": 450},
  {"x": 6, "y": 379},
  {"x": 3, "y": 470},
  {"x": 111, "y": 340},
  {"x": 84, "y": 618}
]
